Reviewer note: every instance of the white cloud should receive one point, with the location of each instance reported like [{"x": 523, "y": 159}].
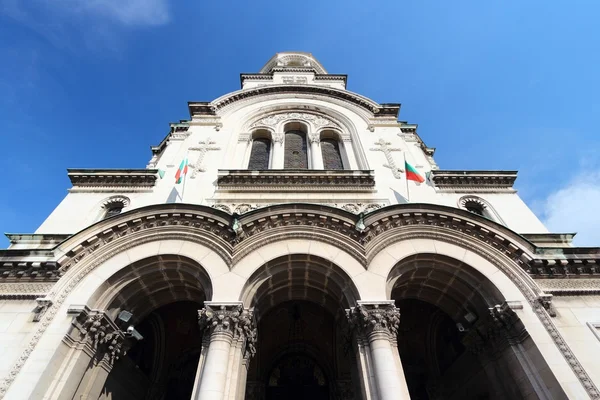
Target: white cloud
[
  {"x": 576, "y": 208},
  {"x": 126, "y": 13}
]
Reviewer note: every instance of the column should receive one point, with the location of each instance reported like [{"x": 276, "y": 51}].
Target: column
[
  {"x": 232, "y": 333},
  {"x": 378, "y": 323},
  {"x": 315, "y": 151},
  {"x": 278, "y": 153}
]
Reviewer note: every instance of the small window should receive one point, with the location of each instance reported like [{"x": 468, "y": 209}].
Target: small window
[
  {"x": 114, "y": 209},
  {"x": 475, "y": 209}
]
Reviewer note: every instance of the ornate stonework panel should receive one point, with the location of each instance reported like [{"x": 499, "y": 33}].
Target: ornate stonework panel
[
  {"x": 295, "y": 150},
  {"x": 230, "y": 319},
  {"x": 317, "y": 120},
  {"x": 23, "y": 291}
]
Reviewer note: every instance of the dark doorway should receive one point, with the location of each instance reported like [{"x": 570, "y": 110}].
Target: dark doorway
[
  {"x": 162, "y": 365},
  {"x": 297, "y": 377}
]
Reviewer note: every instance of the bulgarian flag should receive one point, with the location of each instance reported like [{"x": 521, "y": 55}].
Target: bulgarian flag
[
  {"x": 181, "y": 171},
  {"x": 412, "y": 174}
]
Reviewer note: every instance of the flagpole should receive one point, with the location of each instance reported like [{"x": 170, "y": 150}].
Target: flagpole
[
  {"x": 406, "y": 178},
  {"x": 185, "y": 174}
]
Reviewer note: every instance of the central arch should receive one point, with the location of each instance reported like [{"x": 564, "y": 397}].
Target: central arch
[{"x": 303, "y": 349}]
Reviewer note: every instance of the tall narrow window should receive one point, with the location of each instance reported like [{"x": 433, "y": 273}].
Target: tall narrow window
[
  {"x": 295, "y": 150},
  {"x": 259, "y": 156},
  {"x": 330, "y": 150}
]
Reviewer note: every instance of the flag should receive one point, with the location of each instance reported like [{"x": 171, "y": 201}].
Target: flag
[
  {"x": 412, "y": 174},
  {"x": 181, "y": 171},
  {"x": 161, "y": 173}
]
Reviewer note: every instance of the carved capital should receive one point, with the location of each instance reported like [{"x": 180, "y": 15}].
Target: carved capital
[
  {"x": 277, "y": 137},
  {"x": 101, "y": 334},
  {"x": 232, "y": 320},
  {"x": 369, "y": 319},
  {"x": 314, "y": 138}
]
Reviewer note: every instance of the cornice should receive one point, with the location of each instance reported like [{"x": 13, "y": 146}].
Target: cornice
[
  {"x": 112, "y": 178},
  {"x": 474, "y": 181},
  {"x": 296, "y": 180},
  {"x": 203, "y": 108},
  {"x": 364, "y": 236}
]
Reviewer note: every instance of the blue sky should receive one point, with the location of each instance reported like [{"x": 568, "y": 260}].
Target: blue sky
[{"x": 492, "y": 84}]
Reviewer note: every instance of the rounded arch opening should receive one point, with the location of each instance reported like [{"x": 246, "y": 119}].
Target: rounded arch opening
[
  {"x": 451, "y": 341},
  {"x": 299, "y": 301},
  {"x": 163, "y": 293}
]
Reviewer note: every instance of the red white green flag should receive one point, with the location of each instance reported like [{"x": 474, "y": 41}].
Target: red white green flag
[
  {"x": 181, "y": 171},
  {"x": 412, "y": 174}
]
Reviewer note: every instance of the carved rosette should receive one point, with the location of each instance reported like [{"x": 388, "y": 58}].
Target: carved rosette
[
  {"x": 377, "y": 318},
  {"x": 230, "y": 320}
]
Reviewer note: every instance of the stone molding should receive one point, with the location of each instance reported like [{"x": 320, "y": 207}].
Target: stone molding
[
  {"x": 294, "y": 180},
  {"x": 372, "y": 107},
  {"x": 569, "y": 287},
  {"x": 230, "y": 319},
  {"x": 375, "y": 318},
  {"x": 112, "y": 178},
  {"x": 474, "y": 181}
]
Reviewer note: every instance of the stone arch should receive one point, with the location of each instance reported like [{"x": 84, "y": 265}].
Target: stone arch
[
  {"x": 152, "y": 282},
  {"x": 299, "y": 277}
]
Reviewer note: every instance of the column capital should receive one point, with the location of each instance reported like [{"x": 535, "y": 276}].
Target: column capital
[
  {"x": 232, "y": 320},
  {"x": 103, "y": 337},
  {"x": 314, "y": 138},
  {"x": 277, "y": 137},
  {"x": 375, "y": 318}
]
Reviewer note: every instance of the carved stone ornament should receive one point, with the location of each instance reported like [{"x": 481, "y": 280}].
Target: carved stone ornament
[
  {"x": 278, "y": 137},
  {"x": 230, "y": 319},
  {"x": 205, "y": 146},
  {"x": 375, "y": 318},
  {"x": 317, "y": 120},
  {"x": 42, "y": 306},
  {"x": 384, "y": 146},
  {"x": 314, "y": 138},
  {"x": 102, "y": 335}
]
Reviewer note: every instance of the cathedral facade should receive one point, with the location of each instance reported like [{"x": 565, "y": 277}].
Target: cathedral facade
[{"x": 294, "y": 240}]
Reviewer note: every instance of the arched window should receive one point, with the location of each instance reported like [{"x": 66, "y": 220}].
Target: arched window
[
  {"x": 480, "y": 207},
  {"x": 332, "y": 158},
  {"x": 296, "y": 156},
  {"x": 114, "y": 206},
  {"x": 260, "y": 154},
  {"x": 114, "y": 209}
]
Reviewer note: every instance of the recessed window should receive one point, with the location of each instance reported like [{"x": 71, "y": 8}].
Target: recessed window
[
  {"x": 259, "y": 156},
  {"x": 475, "y": 209},
  {"x": 112, "y": 210}
]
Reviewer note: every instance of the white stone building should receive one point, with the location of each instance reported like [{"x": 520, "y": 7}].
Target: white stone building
[{"x": 296, "y": 260}]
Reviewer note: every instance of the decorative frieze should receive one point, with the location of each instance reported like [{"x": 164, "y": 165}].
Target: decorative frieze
[
  {"x": 316, "y": 119},
  {"x": 372, "y": 318}
]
